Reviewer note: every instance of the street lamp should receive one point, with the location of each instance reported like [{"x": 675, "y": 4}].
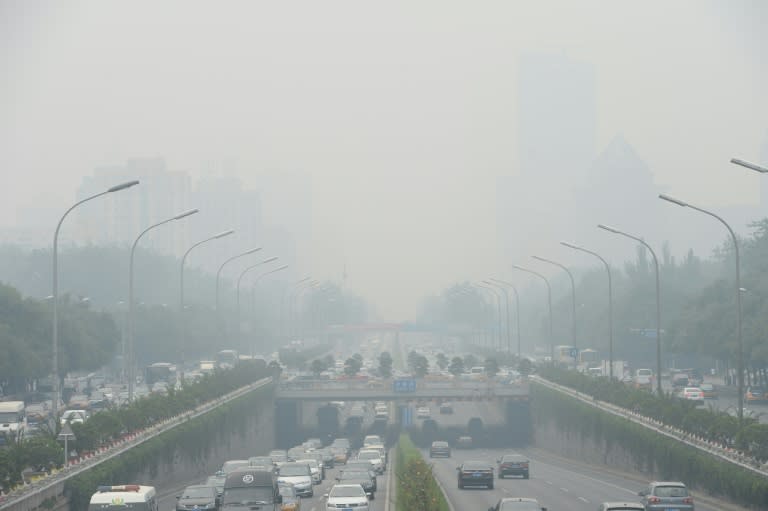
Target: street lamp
[
  {"x": 740, "y": 347},
  {"x": 610, "y": 301},
  {"x": 218, "y": 273},
  {"x": 240, "y": 279},
  {"x": 131, "y": 377},
  {"x": 498, "y": 311},
  {"x": 517, "y": 307},
  {"x": 257, "y": 279},
  {"x": 753, "y": 166},
  {"x": 573, "y": 294},
  {"x": 55, "y": 296},
  {"x": 469, "y": 293},
  {"x": 658, "y": 298},
  {"x": 181, "y": 281},
  {"x": 293, "y": 305},
  {"x": 490, "y": 282},
  {"x": 549, "y": 301},
  {"x": 286, "y": 305}
]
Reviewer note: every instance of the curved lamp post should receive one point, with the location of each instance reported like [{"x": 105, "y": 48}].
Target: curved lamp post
[
  {"x": 55, "y": 296},
  {"x": 610, "y": 301},
  {"x": 740, "y": 347},
  {"x": 573, "y": 295},
  {"x": 218, "y": 273},
  {"x": 496, "y": 295},
  {"x": 131, "y": 377},
  {"x": 503, "y": 289},
  {"x": 517, "y": 309},
  {"x": 658, "y": 298},
  {"x": 549, "y": 301}
]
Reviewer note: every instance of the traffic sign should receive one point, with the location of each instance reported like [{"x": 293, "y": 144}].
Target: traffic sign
[
  {"x": 404, "y": 385},
  {"x": 574, "y": 352}
]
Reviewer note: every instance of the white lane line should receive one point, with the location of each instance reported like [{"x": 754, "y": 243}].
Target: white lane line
[
  {"x": 564, "y": 489},
  {"x": 590, "y": 478},
  {"x": 550, "y": 482},
  {"x": 387, "y": 502},
  {"x": 583, "y": 500}
]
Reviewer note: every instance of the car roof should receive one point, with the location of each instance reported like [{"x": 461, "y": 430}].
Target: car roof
[
  {"x": 439, "y": 442},
  {"x": 517, "y": 499},
  {"x": 514, "y": 455},
  {"x": 476, "y": 463},
  {"x": 667, "y": 483},
  {"x": 608, "y": 506}
]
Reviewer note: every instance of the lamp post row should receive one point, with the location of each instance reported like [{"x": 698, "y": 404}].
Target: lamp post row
[{"x": 127, "y": 342}]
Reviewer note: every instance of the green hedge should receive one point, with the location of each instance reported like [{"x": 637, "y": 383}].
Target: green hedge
[
  {"x": 416, "y": 485},
  {"x": 710, "y": 424},
  {"x": 652, "y": 452},
  {"x": 194, "y": 439}
]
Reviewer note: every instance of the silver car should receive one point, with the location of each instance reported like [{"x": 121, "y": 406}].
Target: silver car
[
  {"x": 665, "y": 495},
  {"x": 621, "y": 506}
]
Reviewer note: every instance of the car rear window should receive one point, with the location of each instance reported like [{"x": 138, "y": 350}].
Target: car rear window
[
  {"x": 671, "y": 491},
  {"x": 476, "y": 465}
]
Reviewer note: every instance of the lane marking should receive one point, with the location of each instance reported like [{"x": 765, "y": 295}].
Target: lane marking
[
  {"x": 550, "y": 482},
  {"x": 387, "y": 501},
  {"x": 564, "y": 489},
  {"x": 583, "y": 500},
  {"x": 572, "y": 472}
]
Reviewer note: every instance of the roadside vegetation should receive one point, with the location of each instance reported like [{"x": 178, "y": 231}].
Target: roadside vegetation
[{"x": 416, "y": 485}]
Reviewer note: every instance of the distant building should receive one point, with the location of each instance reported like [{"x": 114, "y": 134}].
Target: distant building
[
  {"x": 119, "y": 218},
  {"x": 764, "y": 182}
]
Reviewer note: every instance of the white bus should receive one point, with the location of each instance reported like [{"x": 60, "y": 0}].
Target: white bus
[
  {"x": 13, "y": 421},
  {"x": 127, "y": 497}
]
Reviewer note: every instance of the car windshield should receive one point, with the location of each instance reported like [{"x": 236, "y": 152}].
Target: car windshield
[
  {"x": 513, "y": 457},
  {"x": 6, "y": 417},
  {"x": 260, "y": 460},
  {"x": 475, "y": 465},
  {"x": 520, "y": 506},
  {"x": 439, "y": 444},
  {"x": 197, "y": 493},
  {"x": 371, "y": 455},
  {"x": 671, "y": 491},
  {"x": 347, "y": 491},
  {"x": 230, "y": 466},
  {"x": 247, "y": 496},
  {"x": 216, "y": 481},
  {"x": 287, "y": 491},
  {"x": 294, "y": 470}
]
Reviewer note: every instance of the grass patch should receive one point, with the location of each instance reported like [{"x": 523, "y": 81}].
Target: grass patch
[{"x": 416, "y": 485}]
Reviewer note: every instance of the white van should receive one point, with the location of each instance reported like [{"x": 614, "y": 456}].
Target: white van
[
  {"x": 119, "y": 498},
  {"x": 13, "y": 420}
]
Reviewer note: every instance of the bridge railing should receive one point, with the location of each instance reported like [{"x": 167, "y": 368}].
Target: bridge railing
[{"x": 487, "y": 385}]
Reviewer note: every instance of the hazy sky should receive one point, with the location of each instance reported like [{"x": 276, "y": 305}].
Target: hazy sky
[{"x": 403, "y": 113}]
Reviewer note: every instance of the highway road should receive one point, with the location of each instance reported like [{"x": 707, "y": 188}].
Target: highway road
[
  {"x": 557, "y": 483},
  {"x": 317, "y": 503}
]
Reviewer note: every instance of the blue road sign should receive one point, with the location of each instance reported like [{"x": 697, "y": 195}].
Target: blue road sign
[
  {"x": 404, "y": 385},
  {"x": 574, "y": 353}
]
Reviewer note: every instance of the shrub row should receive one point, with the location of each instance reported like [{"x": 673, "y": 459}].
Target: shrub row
[
  {"x": 110, "y": 425},
  {"x": 651, "y": 452},
  {"x": 416, "y": 485},
  {"x": 713, "y": 425},
  {"x": 190, "y": 441}
]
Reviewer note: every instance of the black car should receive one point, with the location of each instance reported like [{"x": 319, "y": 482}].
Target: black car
[
  {"x": 361, "y": 477},
  {"x": 515, "y": 465},
  {"x": 475, "y": 473},
  {"x": 198, "y": 497},
  {"x": 362, "y": 465},
  {"x": 440, "y": 449}
]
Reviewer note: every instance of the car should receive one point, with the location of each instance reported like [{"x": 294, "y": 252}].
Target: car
[
  {"x": 708, "y": 390},
  {"x": 372, "y": 440},
  {"x": 621, "y": 506},
  {"x": 665, "y": 495},
  {"x": 475, "y": 473},
  {"x": 374, "y": 458},
  {"x": 261, "y": 461},
  {"x": 680, "y": 381},
  {"x": 692, "y": 394},
  {"x": 278, "y": 456},
  {"x": 299, "y": 475},
  {"x": 514, "y": 464},
  {"x": 464, "y": 442},
  {"x": 340, "y": 454},
  {"x": 423, "y": 412},
  {"x": 318, "y": 474},
  {"x": 517, "y": 504},
  {"x": 327, "y": 456},
  {"x": 197, "y": 497},
  {"x": 362, "y": 477},
  {"x": 217, "y": 481},
  {"x": 74, "y": 417},
  {"x": 346, "y": 496},
  {"x": 446, "y": 409},
  {"x": 755, "y": 394},
  {"x": 291, "y": 500},
  {"x": 440, "y": 448}
]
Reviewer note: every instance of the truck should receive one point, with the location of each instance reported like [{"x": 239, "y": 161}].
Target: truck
[
  {"x": 620, "y": 369},
  {"x": 13, "y": 421}
]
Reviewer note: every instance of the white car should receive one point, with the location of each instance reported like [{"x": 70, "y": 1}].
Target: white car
[
  {"x": 347, "y": 496},
  {"x": 373, "y": 457},
  {"x": 372, "y": 440},
  {"x": 693, "y": 394},
  {"x": 314, "y": 469},
  {"x": 73, "y": 417},
  {"x": 299, "y": 475},
  {"x": 422, "y": 412}
]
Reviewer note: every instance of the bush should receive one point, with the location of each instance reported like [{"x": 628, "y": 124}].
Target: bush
[{"x": 416, "y": 485}]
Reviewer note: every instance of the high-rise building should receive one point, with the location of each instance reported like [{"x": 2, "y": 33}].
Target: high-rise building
[{"x": 122, "y": 216}]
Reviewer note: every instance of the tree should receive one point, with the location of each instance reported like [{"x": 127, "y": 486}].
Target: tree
[
  {"x": 385, "y": 364},
  {"x": 457, "y": 366},
  {"x": 421, "y": 366},
  {"x": 470, "y": 360},
  {"x": 352, "y": 366},
  {"x": 318, "y": 366},
  {"x": 442, "y": 361},
  {"x": 491, "y": 366},
  {"x": 412, "y": 357}
]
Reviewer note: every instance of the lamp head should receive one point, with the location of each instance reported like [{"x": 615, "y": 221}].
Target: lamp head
[
  {"x": 185, "y": 214},
  {"x": 608, "y": 228},
  {"x": 269, "y": 260},
  {"x": 570, "y": 245},
  {"x": 749, "y": 165},
  {"x": 667, "y": 198},
  {"x": 225, "y": 233},
  {"x": 122, "y": 186}
]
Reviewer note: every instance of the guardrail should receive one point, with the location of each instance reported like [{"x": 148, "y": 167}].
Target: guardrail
[
  {"x": 53, "y": 484},
  {"x": 718, "y": 450}
]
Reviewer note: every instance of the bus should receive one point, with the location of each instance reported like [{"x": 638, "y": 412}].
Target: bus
[
  {"x": 566, "y": 355},
  {"x": 132, "y": 497},
  {"x": 160, "y": 372}
]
